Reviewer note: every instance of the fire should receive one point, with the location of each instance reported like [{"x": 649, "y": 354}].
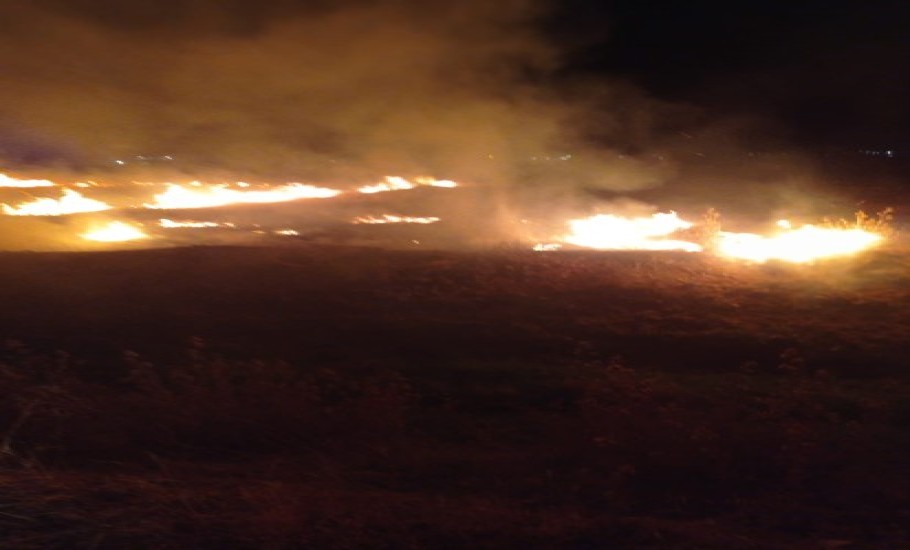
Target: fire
[
  {"x": 172, "y": 224},
  {"x": 805, "y": 244},
  {"x": 115, "y": 232},
  {"x": 611, "y": 232},
  {"x": 391, "y": 218},
  {"x": 70, "y": 202},
  {"x": 207, "y": 196},
  {"x": 9, "y": 181},
  {"x": 397, "y": 183}
]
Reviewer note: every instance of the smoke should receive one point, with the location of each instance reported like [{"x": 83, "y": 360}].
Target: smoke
[
  {"x": 340, "y": 93},
  {"x": 342, "y": 90}
]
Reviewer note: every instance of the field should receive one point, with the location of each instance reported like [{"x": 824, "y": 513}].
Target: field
[{"x": 342, "y": 397}]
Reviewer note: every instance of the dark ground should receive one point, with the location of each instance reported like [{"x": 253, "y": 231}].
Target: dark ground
[{"x": 348, "y": 397}]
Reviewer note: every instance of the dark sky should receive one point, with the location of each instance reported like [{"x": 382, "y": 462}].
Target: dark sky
[{"x": 835, "y": 72}]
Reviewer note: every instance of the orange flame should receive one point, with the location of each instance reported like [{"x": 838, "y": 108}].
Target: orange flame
[
  {"x": 207, "y": 196},
  {"x": 70, "y": 202},
  {"x": 391, "y": 218},
  {"x": 9, "y": 181},
  {"x": 172, "y": 224},
  {"x": 612, "y": 232},
  {"x": 802, "y": 245},
  {"x": 397, "y": 183},
  {"x": 115, "y": 232}
]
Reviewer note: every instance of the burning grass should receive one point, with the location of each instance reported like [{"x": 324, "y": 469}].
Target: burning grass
[{"x": 356, "y": 397}]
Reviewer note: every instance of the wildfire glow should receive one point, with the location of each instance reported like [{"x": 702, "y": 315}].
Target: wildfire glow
[
  {"x": 397, "y": 183},
  {"x": 391, "y": 218},
  {"x": 9, "y": 181},
  {"x": 207, "y": 196},
  {"x": 115, "y": 232},
  {"x": 611, "y": 232},
  {"x": 70, "y": 202},
  {"x": 805, "y": 244}
]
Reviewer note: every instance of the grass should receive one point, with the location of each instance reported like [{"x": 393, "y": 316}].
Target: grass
[{"x": 347, "y": 398}]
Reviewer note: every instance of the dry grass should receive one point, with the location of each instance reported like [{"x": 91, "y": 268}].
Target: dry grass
[{"x": 454, "y": 399}]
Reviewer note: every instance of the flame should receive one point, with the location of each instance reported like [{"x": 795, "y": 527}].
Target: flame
[
  {"x": 397, "y": 183},
  {"x": 115, "y": 232},
  {"x": 611, "y": 232},
  {"x": 207, "y": 196},
  {"x": 391, "y": 218},
  {"x": 9, "y": 181},
  {"x": 805, "y": 244},
  {"x": 172, "y": 224},
  {"x": 70, "y": 202}
]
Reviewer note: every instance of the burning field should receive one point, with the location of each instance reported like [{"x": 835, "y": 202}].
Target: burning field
[
  {"x": 411, "y": 274},
  {"x": 133, "y": 220},
  {"x": 342, "y": 370}
]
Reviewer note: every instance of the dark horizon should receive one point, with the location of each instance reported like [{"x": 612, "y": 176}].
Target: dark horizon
[{"x": 831, "y": 73}]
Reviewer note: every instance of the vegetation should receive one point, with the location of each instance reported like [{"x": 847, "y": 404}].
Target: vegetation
[{"x": 341, "y": 398}]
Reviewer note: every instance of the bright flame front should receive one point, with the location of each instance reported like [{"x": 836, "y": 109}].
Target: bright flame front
[
  {"x": 397, "y": 183},
  {"x": 70, "y": 202},
  {"x": 208, "y": 196},
  {"x": 802, "y": 245},
  {"x": 392, "y": 218},
  {"x": 173, "y": 224},
  {"x": 115, "y": 232},
  {"x": 612, "y": 232},
  {"x": 9, "y": 181}
]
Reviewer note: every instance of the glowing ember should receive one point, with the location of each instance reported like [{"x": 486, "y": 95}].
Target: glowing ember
[
  {"x": 611, "y": 232},
  {"x": 115, "y": 232},
  {"x": 391, "y": 218},
  {"x": 71, "y": 202},
  {"x": 397, "y": 183},
  {"x": 208, "y": 196},
  {"x": 806, "y": 244}
]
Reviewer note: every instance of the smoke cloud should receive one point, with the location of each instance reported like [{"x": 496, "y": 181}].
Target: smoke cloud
[{"x": 343, "y": 89}]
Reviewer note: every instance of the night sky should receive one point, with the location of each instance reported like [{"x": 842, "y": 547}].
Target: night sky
[
  {"x": 834, "y": 72},
  {"x": 378, "y": 83}
]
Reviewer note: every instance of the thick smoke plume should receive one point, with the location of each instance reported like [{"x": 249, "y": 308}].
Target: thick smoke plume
[{"x": 346, "y": 89}]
